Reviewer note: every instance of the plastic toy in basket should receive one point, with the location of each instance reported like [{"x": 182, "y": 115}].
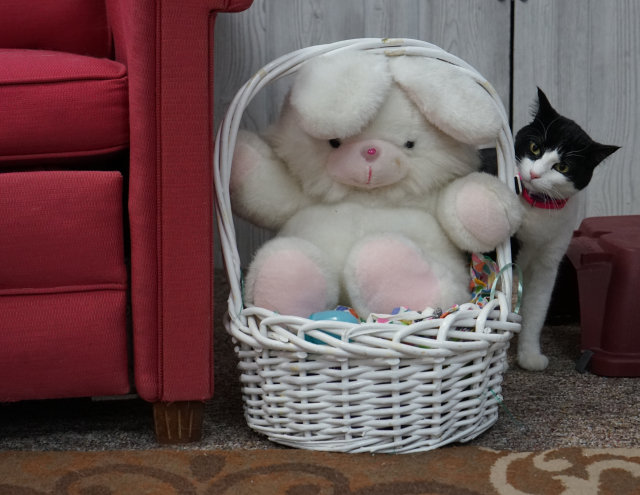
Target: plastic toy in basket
[
  {"x": 341, "y": 313},
  {"x": 370, "y": 386}
]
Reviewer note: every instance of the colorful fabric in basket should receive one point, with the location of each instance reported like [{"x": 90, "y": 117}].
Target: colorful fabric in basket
[
  {"x": 404, "y": 316},
  {"x": 394, "y": 317},
  {"x": 346, "y": 309},
  {"x": 483, "y": 273}
]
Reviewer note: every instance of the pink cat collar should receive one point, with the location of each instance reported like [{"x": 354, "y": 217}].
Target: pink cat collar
[{"x": 545, "y": 204}]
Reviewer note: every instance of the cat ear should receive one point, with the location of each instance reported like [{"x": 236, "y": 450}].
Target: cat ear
[
  {"x": 599, "y": 152},
  {"x": 449, "y": 98},
  {"x": 336, "y": 96},
  {"x": 543, "y": 106}
]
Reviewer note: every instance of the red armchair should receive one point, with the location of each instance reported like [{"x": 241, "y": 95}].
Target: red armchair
[{"x": 79, "y": 83}]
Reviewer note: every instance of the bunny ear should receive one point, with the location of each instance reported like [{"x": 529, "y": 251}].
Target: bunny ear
[
  {"x": 336, "y": 96},
  {"x": 449, "y": 98}
]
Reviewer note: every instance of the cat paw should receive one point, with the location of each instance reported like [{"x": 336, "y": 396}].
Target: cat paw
[{"x": 533, "y": 362}]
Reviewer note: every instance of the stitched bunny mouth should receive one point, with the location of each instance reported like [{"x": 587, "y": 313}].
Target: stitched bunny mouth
[{"x": 366, "y": 164}]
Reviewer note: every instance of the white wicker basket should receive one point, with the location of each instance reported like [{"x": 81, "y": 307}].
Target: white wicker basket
[{"x": 382, "y": 387}]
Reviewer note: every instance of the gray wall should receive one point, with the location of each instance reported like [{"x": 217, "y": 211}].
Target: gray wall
[{"x": 584, "y": 54}]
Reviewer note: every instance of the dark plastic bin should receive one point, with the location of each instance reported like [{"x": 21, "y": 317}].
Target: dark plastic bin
[{"x": 605, "y": 252}]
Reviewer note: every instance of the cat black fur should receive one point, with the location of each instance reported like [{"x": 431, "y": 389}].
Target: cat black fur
[{"x": 551, "y": 131}]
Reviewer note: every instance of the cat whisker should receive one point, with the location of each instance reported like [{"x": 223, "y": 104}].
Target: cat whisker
[
  {"x": 555, "y": 200},
  {"x": 573, "y": 154},
  {"x": 549, "y": 127},
  {"x": 550, "y": 199},
  {"x": 553, "y": 188},
  {"x": 537, "y": 131},
  {"x": 576, "y": 153},
  {"x": 583, "y": 149},
  {"x": 561, "y": 147}
]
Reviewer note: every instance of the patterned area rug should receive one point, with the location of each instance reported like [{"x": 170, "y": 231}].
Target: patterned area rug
[{"x": 447, "y": 471}]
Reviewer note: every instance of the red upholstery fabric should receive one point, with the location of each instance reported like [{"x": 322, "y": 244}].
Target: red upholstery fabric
[
  {"x": 60, "y": 105},
  {"x": 65, "y": 230},
  {"x": 59, "y": 345},
  {"x": 74, "y": 26},
  {"x": 167, "y": 46},
  {"x": 62, "y": 285},
  {"x": 134, "y": 27}
]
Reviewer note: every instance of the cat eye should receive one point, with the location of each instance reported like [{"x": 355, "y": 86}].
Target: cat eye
[
  {"x": 534, "y": 148},
  {"x": 563, "y": 168},
  {"x": 335, "y": 143},
  {"x": 409, "y": 144}
]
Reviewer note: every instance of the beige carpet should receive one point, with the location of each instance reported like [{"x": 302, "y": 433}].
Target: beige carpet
[{"x": 552, "y": 409}]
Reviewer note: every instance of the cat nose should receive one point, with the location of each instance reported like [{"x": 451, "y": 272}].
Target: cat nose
[{"x": 534, "y": 176}]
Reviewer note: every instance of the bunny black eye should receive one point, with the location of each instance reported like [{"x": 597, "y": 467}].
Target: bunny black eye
[
  {"x": 335, "y": 143},
  {"x": 409, "y": 144}
]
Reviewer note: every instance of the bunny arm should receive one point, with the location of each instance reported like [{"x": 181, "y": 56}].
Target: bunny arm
[
  {"x": 478, "y": 212},
  {"x": 262, "y": 191}
]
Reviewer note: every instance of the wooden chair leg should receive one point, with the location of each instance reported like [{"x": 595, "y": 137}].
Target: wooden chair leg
[{"x": 178, "y": 422}]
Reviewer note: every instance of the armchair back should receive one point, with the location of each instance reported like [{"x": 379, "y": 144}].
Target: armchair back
[{"x": 72, "y": 26}]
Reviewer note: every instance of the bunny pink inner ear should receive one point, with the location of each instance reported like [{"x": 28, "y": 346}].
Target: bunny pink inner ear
[
  {"x": 337, "y": 95},
  {"x": 449, "y": 98}
]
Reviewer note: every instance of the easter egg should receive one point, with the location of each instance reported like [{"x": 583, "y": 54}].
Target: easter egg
[
  {"x": 330, "y": 316},
  {"x": 334, "y": 316}
]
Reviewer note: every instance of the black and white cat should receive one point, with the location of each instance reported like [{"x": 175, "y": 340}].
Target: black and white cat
[{"x": 555, "y": 160}]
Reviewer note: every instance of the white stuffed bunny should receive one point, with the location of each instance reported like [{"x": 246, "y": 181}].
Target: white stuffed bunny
[{"x": 369, "y": 177}]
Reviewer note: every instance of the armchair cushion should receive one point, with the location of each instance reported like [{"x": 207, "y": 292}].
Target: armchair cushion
[
  {"x": 59, "y": 105},
  {"x": 65, "y": 230},
  {"x": 62, "y": 285},
  {"x": 69, "y": 344}
]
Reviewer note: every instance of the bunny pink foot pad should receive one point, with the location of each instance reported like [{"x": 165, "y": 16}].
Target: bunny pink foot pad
[
  {"x": 289, "y": 283},
  {"x": 389, "y": 274}
]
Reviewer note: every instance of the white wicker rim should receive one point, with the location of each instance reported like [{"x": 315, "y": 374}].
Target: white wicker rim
[{"x": 372, "y": 387}]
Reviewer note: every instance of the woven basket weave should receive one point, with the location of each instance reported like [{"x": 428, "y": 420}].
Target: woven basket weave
[{"x": 379, "y": 387}]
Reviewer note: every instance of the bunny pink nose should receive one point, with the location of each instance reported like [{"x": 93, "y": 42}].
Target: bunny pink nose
[{"x": 370, "y": 154}]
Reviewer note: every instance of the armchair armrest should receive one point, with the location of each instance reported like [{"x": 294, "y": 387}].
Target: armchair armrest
[{"x": 167, "y": 46}]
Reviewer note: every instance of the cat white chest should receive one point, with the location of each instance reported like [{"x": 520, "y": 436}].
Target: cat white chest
[{"x": 545, "y": 234}]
